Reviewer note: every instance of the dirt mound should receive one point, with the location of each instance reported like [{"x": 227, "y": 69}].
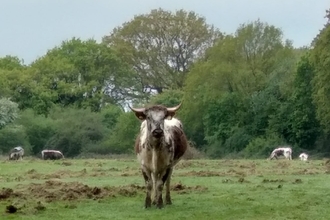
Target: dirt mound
[
  {"x": 6, "y": 193},
  {"x": 273, "y": 181},
  {"x": 182, "y": 189},
  {"x": 55, "y": 190},
  {"x": 202, "y": 173}
]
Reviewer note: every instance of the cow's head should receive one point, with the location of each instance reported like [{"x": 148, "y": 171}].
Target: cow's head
[{"x": 155, "y": 116}]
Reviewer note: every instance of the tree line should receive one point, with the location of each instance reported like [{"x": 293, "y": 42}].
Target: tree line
[{"x": 243, "y": 93}]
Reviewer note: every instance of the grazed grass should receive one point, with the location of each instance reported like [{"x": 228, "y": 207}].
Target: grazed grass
[{"x": 201, "y": 189}]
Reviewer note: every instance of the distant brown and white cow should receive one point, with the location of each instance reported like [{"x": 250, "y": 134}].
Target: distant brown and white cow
[
  {"x": 51, "y": 155},
  {"x": 303, "y": 156},
  {"x": 281, "y": 151},
  {"x": 159, "y": 146},
  {"x": 16, "y": 153}
]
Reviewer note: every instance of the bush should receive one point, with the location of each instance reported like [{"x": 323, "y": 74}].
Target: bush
[
  {"x": 192, "y": 152},
  {"x": 13, "y": 136},
  {"x": 262, "y": 146},
  {"x": 39, "y": 129},
  {"x": 76, "y": 130}
]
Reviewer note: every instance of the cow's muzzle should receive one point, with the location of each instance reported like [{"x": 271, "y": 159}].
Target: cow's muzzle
[{"x": 158, "y": 133}]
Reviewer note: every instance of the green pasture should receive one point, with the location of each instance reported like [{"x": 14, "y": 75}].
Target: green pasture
[{"x": 201, "y": 189}]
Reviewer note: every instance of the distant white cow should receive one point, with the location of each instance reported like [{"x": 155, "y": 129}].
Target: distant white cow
[
  {"x": 16, "y": 153},
  {"x": 303, "y": 156},
  {"x": 281, "y": 151}
]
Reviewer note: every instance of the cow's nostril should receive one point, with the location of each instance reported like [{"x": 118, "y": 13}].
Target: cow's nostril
[{"x": 157, "y": 132}]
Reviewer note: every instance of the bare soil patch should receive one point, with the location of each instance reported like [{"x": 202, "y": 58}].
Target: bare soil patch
[{"x": 202, "y": 173}]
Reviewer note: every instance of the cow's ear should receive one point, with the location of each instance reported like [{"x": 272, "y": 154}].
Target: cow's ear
[
  {"x": 170, "y": 115},
  {"x": 140, "y": 115}
]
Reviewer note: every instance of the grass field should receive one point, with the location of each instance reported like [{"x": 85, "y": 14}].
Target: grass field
[{"x": 201, "y": 189}]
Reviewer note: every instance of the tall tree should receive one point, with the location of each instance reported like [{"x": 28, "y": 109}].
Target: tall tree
[
  {"x": 320, "y": 58},
  {"x": 252, "y": 66},
  {"x": 305, "y": 126},
  {"x": 161, "y": 46}
]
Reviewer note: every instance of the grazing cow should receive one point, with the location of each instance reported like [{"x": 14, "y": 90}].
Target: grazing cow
[
  {"x": 51, "y": 155},
  {"x": 281, "y": 151},
  {"x": 303, "y": 156},
  {"x": 159, "y": 146},
  {"x": 16, "y": 153}
]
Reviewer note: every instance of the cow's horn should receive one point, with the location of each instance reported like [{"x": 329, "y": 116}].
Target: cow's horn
[
  {"x": 136, "y": 109},
  {"x": 173, "y": 109}
]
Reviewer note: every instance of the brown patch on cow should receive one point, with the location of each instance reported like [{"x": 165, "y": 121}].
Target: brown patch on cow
[{"x": 180, "y": 141}]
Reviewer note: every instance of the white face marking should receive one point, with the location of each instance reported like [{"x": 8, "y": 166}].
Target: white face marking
[{"x": 157, "y": 115}]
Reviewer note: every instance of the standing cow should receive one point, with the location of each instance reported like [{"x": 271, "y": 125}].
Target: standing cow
[
  {"x": 16, "y": 153},
  {"x": 281, "y": 151},
  {"x": 159, "y": 146},
  {"x": 51, "y": 155},
  {"x": 303, "y": 156}
]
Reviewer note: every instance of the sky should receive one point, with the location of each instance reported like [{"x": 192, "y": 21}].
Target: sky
[{"x": 29, "y": 28}]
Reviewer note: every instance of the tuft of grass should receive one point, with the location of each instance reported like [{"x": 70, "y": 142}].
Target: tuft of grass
[{"x": 201, "y": 189}]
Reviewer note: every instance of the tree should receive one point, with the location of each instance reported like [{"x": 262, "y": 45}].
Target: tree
[
  {"x": 8, "y": 112},
  {"x": 10, "y": 63},
  {"x": 255, "y": 64},
  {"x": 320, "y": 59},
  {"x": 305, "y": 126},
  {"x": 161, "y": 47},
  {"x": 77, "y": 73}
]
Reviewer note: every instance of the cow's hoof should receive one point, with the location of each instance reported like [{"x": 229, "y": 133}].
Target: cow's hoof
[
  {"x": 159, "y": 206},
  {"x": 168, "y": 202}
]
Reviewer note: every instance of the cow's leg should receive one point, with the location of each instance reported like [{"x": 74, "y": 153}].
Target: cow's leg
[
  {"x": 159, "y": 190},
  {"x": 167, "y": 180},
  {"x": 154, "y": 189},
  {"x": 148, "y": 181},
  {"x": 161, "y": 179}
]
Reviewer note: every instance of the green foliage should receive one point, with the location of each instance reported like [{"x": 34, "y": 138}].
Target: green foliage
[
  {"x": 10, "y": 63},
  {"x": 261, "y": 146},
  {"x": 78, "y": 73},
  {"x": 168, "y": 98},
  {"x": 8, "y": 112},
  {"x": 122, "y": 137},
  {"x": 242, "y": 94},
  {"x": 238, "y": 88},
  {"x": 39, "y": 130},
  {"x": 305, "y": 126},
  {"x": 161, "y": 46},
  {"x": 13, "y": 136},
  {"x": 320, "y": 58},
  {"x": 110, "y": 114},
  {"x": 76, "y": 131}
]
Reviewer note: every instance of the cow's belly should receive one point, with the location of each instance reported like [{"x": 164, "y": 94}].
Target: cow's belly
[{"x": 155, "y": 160}]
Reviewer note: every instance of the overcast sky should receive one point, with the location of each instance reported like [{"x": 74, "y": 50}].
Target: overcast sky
[{"x": 28, "y": 28}]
